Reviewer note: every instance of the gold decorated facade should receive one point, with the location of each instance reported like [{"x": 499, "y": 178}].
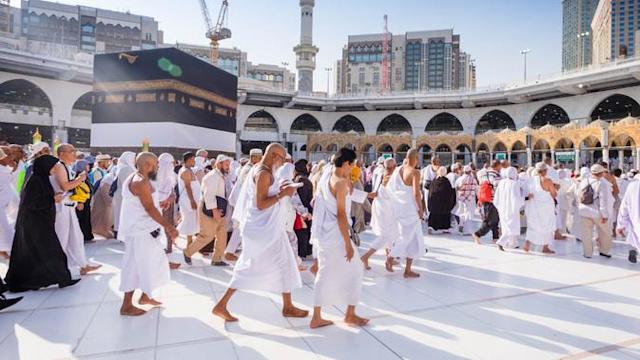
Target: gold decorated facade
[{"x": 597, "y": 139}]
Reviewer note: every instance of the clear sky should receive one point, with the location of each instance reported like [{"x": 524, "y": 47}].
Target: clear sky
[{"x": 493, "y": 31}]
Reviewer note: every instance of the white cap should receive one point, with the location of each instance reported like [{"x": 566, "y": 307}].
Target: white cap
[
  {"x": 288, "y": 157},
  {"x": 36, "y": 148},
  {"x": 597, "y": 169},
  {"x": 380, "y": 159},
  {"x": 222, "y": 157},
  {"x": 256, "y": 151},
  {"x": 103, "y": 157}
]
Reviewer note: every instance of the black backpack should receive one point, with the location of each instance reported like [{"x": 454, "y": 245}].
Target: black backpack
[{"x": 587, "y": 195}]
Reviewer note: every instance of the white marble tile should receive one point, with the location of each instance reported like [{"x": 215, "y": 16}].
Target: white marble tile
[{"x": 221, "y": 349}]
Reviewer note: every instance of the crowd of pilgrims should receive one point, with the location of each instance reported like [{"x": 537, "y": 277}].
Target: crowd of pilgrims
[{"x": 267, "y": 213}]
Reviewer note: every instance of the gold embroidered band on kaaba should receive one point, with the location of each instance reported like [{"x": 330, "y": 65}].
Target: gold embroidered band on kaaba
[{"x": 166, "y": 85}]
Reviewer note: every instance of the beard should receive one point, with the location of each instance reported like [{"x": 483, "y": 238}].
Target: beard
[{"x": 152, "y": 175}]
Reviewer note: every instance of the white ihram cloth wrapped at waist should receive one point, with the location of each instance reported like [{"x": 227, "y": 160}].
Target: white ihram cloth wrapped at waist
[
  {"x": 410, "y": 243},
  {"x": 145, "y": 265},
  {"x": 267, "y": 261},
  {"x": 383, "y": 222},
  {"x": 338, "y": 281}
]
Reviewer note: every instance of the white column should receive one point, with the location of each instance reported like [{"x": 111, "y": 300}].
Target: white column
[
  {"x": 638, "y": 157},
  {"x": 474, "y": 157},
  {"x": 577, "y": 161},
  {"x": 605, "y": 154},
  {"x": 453, "y": 157},
  {"x": 529, "y": 158},
  {"x": 238, "y": 145},
  {"x": 509, "y": 156},
  {"x": 621, "y": 159},
  {"x": 553, "y": 157}
]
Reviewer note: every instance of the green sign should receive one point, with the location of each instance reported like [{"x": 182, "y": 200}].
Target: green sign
[
  {"x": 501, "y": 156},
  {"x": 387, "y": 156},
  {"x": 565, "y": 156}
]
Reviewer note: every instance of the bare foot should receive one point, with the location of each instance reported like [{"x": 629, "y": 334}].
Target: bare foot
[
  {"x": 89, "y": 268},
  {"x": 546, "y": 250},
  {"x": 173, "y": 266},
  {"x": 224, "y": 314},
  {"x": 365, "y": 262},
  {"x": 302, "y": 268},
  {"x": 314, "y": 268},
  {"x": 476, "y": 239},
  {"x": 559, "y": 236},
  {"x": 146, "y": 300},
  {"x": 395, "y": 262},
  {"x": 319, "y": 322},
  {"x": 131, "y": 311},
  {"x": 4, "y": 254},
  {"x": 356, "y": 320},
  {"x": 230, "y": 257},
  {"x": 389, "y": 264},
  {"x": 526, "y": 246},
  {"x": 411, "y": 274},
  {"x": 294, "y": 312}
]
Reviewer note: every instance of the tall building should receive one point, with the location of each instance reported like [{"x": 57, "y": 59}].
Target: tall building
[
  {"x": 420, "y": 61},
  {"x": 601, "y": 30},
  {"x": 306, "y": 51},
  {"x": 576, "y": 32},
  {"x": 235, "y": 61},
  {"x": 61, "y": 30},
  {"x": 625, "y": 25}
]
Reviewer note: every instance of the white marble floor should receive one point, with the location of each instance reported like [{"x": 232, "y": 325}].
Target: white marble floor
[{"x": 470, "y": 302}]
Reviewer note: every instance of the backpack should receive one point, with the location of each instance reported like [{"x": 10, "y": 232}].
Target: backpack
[
  {"x": 485, "y": 194},
  {"x": 587, "y": 195}
]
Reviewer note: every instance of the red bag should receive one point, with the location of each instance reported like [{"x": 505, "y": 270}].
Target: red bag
[
  {"x": 485, "y": 194},
  {"x": 298, "y": 223}
]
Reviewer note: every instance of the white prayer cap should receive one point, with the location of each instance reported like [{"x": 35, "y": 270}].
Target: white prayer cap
[
  {"x": 103, "y": 157},
  {"x": 467, "y": 169},
  {"x": 511, "y": 173},
  {"x": 455, "y": 166},
  {"x": 541, "y": 166},
  {"x": 584, "y": 172},
  {"x": 36, "y": 148},
  {"x": 288, "y": 157},
  {"x": 381, "y": 160},
  {"x": 597, "y": 169},
  {"x": 255, "y": 152},
  {"x": 442, "y": 171},
  {"x": 222, "y": 157}
]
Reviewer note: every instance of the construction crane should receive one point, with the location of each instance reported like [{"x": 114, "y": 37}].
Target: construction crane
[
  {"x": 216, "y": 32},
  {"x": 384, "y": 84}
]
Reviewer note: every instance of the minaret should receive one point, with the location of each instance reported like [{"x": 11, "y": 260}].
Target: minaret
[{"x": 305, "y": 51}]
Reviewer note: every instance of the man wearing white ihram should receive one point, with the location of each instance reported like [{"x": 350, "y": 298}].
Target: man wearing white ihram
[
  {"x": 540, "y": 210},
  {"x": 145, "y": 265},
  {"x": 67, "y": 225},
  {"x": 255, "y": 155},
  {"x": 383, "y": 221},
  {"x": 408, "y": 207},
  {"x": 267, "y": 261},
  {"x": 508, "y": 199},
  {"x": 339, "y": 277},
  {"x": 188, "y": 198},
  {"x": 629, "y": 219}
]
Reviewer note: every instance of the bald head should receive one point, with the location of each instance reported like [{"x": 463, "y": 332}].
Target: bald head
[
  {"x": 147, "y": 164},
  {"x": 67, "y": 153},
  {"x": 389, "y": 165},
  {"x": 412, "y": 157},
  {"x": 274, "y": 155}
]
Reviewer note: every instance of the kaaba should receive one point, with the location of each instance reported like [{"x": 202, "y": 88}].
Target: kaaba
[{"x": 170, "y": 99}]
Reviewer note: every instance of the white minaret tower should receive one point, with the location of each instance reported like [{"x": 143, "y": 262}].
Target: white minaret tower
[{"x": 305, "y": 51}]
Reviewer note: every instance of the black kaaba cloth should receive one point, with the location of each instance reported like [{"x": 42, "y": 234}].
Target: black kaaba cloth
[{"x": 163, "y": 85}]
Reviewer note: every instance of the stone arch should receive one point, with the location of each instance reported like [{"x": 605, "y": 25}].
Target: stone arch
[
  {"x": 518, "y": 146},
  {"x": 348, "y": 123},
  {"x": 463, "y": 153},
  {"x": 304, "y": 124},
  {"x": 385, "y": 148},
  {"x": 25, "y": 97},
  {"x": 590, "y": 142},
  {"x": 332, "y": 148},
  {"x": 368, "y": 152},
  {"x": 261, "y": 120},
  {"x": 394, "y": 124},
  {"x": 499, "y": 147},
  {"x": 542, "y": 145},
  {"x": 349, "y": 146},
  {"x": 316, "y": 147},
  {"x": 563, "y": 144},
  {"x": 401, "y": 152},
  {"x": 615, "y": 107},
  {"x": 494, "y": 120},
  {"x": 549, "y": 114},
  {"x": 444, "y": 122},
  {"x": 424, "y": 153}
]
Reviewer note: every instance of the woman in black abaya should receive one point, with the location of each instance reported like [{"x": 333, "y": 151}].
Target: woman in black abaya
[
  {"x": 442, "y": 199},
  {"x": 37, "y": 259}
]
